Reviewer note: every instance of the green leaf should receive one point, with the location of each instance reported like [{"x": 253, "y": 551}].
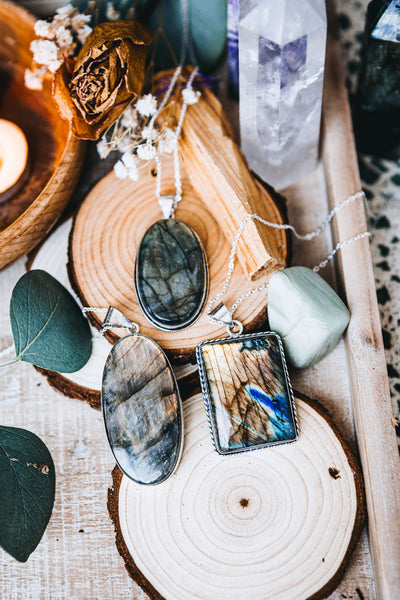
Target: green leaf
[
  {"x": 48, "y": 327},
  {"x": 27, "y": 487},
  {"x": 207, "y": 31}
]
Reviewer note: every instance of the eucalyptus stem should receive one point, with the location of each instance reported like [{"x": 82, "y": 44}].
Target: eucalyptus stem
[{"x": 10, "y": 362}]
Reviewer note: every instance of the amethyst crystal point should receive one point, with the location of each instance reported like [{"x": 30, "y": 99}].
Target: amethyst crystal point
[{"x": 281, "y": 69}]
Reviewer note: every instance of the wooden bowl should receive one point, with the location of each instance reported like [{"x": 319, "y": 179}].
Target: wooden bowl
[{"x": 55, "y": 154}]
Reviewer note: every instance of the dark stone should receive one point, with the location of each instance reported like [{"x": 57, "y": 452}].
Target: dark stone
[
  {"x": 142, "y": 410},
  {"x": 171, "y": 277},
  {"x": 377, "y": 122}
]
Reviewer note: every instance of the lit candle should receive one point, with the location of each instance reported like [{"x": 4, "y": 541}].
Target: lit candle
[{"x": 13, "y": 159}]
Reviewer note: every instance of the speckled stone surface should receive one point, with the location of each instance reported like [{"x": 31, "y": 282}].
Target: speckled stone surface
[
  {"x": 142, "y": 410},
  {"x": 171, "y": 275}
]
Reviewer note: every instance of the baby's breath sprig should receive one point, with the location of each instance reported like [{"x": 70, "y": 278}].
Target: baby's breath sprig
[
  {"x": 138, "y": 138},
  {"x": 57, "y": 40}
]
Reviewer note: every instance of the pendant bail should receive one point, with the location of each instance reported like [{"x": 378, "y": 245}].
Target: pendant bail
[
  {"x": 116, "y": 319},
  {"x": 221, "y": 315},
  {"x": 166, "y": 202}
]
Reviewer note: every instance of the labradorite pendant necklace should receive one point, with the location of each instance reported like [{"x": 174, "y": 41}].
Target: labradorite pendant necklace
[
  {"x": 141, "y": 405},
  {"x": 171, "y": 274},
  {"x": 244, "y": 378}
]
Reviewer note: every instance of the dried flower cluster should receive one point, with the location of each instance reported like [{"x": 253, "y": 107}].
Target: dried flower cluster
[
  {"x": 138, "y": 138},
  {"x": 58, "y": 39},
  {"x": 107, "y": 75}
]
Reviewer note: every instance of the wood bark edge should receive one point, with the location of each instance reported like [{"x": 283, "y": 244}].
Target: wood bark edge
[{"x": 359, "y": 521}]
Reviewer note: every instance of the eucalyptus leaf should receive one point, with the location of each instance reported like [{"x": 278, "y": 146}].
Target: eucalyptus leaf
[
  {"x": 27, "y": 487},
  {"x": 48, "y": 327}
]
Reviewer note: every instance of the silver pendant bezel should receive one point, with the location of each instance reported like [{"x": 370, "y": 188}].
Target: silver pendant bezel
[{"x": 207, "y": 395}]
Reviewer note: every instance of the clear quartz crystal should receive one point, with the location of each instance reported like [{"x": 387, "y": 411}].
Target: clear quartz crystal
[{"x": 281, "y": 70}]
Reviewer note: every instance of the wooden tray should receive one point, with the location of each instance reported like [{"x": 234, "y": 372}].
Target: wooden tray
[
  {"x": 363, "y": 356},
  {"x": 77, "y": 557}
]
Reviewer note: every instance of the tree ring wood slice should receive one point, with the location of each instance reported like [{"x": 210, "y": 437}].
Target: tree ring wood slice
[
  {"x": 107, "y": 231},
  {"x": 85, "y": 384},
  {"x": 273, "y": 524}
]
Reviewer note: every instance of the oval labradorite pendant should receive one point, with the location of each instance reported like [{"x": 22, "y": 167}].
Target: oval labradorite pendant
[
  {"x": 142, "y": 410},
  {"x": 171, "y": 276}
]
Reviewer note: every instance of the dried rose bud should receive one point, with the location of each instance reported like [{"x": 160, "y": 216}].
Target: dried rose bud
[{"x": 107, "y": 75}]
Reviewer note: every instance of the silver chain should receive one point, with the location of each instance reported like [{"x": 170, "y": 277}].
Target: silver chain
[
  {"x": 110, "y": 322},
  {"x": 235, "y": 325},
  {"x": 177, "y": 171}
]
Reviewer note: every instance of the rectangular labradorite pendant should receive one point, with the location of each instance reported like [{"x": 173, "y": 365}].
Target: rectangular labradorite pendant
[{"x": 247, "y": 392}]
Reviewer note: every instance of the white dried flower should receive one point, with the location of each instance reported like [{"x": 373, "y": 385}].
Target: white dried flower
[
  {"x": 83, "y": 33},
  {"x": 128, "y": 118},
  {"x": 44, "y": 29},
  {"x": 66, "y": 11},
  {"x": 190, "y": 96},
  {"x": 120, "y": 170},
  {"x": 65, "y": 40},
  {"x": 111, "y": 13},
  {"x": 133, "y": 173},
  {"x": 103, "y": 149},
  {"x": 129, "y": 160},
  {"x": 44, "y": 51},
  {"x": 33, "y": 81},
  {"x": 148, "y": 133},
  {"x": 147, "y": 105},
  {"x": 53, "y": 65},
  {"x": 79, "y": 20},
  {"x": 146, "y": 152},
  {"x": 63, "y": 15},
  {"x": 167, "y": 141},
  {"x": 124, "y": 144}
]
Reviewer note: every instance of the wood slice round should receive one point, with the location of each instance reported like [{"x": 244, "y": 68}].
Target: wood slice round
[
  {"x": 272, "y": 524},
  {"x": 85, "y": 384},
  {"x": 107, "y": 231}
]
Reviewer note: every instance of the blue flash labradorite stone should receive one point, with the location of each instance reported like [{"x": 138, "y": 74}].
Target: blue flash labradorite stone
[
  {"x": 142, "y": 410},
  {"x": 247, "y": 393},
  {"x": 171, "y": 275}
]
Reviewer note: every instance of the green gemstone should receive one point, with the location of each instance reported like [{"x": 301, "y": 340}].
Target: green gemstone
[
  {"x": 307, "y": 314},
  {"x": 171, "y": 276}
]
